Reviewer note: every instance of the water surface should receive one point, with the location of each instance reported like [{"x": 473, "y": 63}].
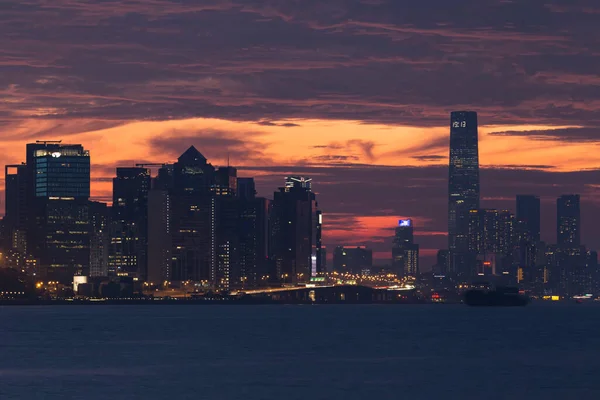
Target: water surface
[{"x": 544, "y": 351}]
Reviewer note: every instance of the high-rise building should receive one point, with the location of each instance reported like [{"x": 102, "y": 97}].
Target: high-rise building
[
  {"x": 253, "y": 235},
  {"x": 491, "y": 241},
  {"x": 292, "y": 232},
  {"x": 528, "y": 214},
  {"x": 99, "y": 238},
  {"x": 128, "y": 254},
  {"x": 193, "y": 217},
  {"x": 317, "y": 257},
  {"x": 246, "y": 188},
  {"x": 159, "y": 236},
  {"x": 568, "y": 221},
  {"x": 405, "y": 253},
  {"x": 490, "y": 231},
  {"x": 57, "y": 193},
  {"x": 463, "y": 188},
  {"x": 441, "y": 265},
  {"x": 226, "y": 181},
  {"x": 352, "y": 260},
  {"x": 15, "y": 214}
]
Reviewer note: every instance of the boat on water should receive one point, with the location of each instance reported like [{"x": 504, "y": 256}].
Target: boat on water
[{"x": 498, "y": 297}]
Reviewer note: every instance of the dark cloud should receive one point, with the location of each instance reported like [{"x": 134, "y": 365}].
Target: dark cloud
[
  {"x": 238, "y": 147},
  {"x": 332, "y": 158},
  {"x": 520, "y": 166},
  {"x": 429, "y": 157},
  {"x": 284, "y": 124},
  {"x": 268, "y": 61},
  {"x": 585, "y": 134}
]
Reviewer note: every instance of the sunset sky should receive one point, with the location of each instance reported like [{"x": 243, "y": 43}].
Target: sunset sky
[{"x": 353, "y": 93}]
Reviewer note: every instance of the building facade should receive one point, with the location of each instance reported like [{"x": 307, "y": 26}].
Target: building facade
[
  {"x": 463, "y": 189},
  {"x": 405, "y": 252}
]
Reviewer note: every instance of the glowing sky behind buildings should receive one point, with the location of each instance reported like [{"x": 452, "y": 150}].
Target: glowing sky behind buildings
[{"x": 353, "y": 93}]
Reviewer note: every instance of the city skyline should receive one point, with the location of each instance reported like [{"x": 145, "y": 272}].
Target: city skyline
[
  {"x": 327, "y": 91},
  {"x": 131, "y": 189}
]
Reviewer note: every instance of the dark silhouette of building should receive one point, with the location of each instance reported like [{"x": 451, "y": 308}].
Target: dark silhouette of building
[
  {"x": 225, "y": 181},
  {"x": 441, "y": 265},
  {"x": 293, "y": 230},
  {"x": 352, "y": 260},
  {"x": 405, "y": 253},
  {"x": 227, "y": 213},
  {"x": 99, "y": 238},
  {"x": 193, "y": 217},
  {"x": 491, "y": 241},
  {"x": 318, "y": 251},
  {"x": 128, "y": 254},
  {"x": 57, "y": 191},
  {"x": 15, "y": 214},
  {"x": 246, "y": 188},
  {"x": 568, "y": 221},
  {"x": 463, "y": 188},
  {"x": 159, "y": 236},
  {"x": 253, "y": 233},
  {"x": 528, "y": 214}
]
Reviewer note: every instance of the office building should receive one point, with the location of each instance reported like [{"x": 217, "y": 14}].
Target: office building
[
  {"x": 441, "y": 265},
  {"x": 491, "y": 241},
  {"x": 129, "y": 223},
  {"x": 317, "y": 257},
  {"x": 159, "y": 236},
  {"x": 57, "y": 192},
  {"x": 528, "y": 214},
  {"x": 99, "y": 215},
  {"x": 193, "y": 217},
  {"x": 491, "y": 231},
  {"x": 352, "y": 260},
  {"x": 225, "y": 181},
  {"x": 15, "y": 213},
  {"x": 253, "y": 234},
  {"x": 246, "y": 188},
  {"x": 568, "y": 221},
  {"x": 293, "y": 231},
  {"x": 405, "y": 253},
  {"x": 463, "y": 188}
]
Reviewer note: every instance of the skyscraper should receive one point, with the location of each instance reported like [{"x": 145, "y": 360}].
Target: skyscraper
[
  {"x": 253, "y": 233},
  {"x": 490, "y": 231},
  {"x": 292, "y": 233},
  {"x": 463, "y": 188},
  {"x": 129, "y": 223},
  {"x": 15, "y": 214},
  {"x": 317, "y": 253},
  {"x": 193, "y": 217},
  {"x": 491, "y": 241},
  {"x": 99, "y": 238},
  {"x": 159, "y": 235},
  {"x": 568, "y": 221},
  {"x": 405, "y": 253},
  {"x": 57, "y": 193},
  {"x": 528, "y": 214}
]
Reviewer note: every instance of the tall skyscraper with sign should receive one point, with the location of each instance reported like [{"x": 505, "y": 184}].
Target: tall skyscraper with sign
[{"x": 463, "y": 188}]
